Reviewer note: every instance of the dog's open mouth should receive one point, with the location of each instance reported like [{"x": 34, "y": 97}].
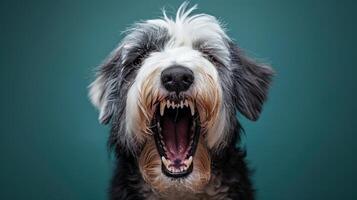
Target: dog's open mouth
[{"x": 176, "y": 131}]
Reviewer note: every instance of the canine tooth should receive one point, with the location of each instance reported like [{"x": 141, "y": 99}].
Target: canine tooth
[
  {"x": 162, "y": 108},
  {"x": 168, "y": 104},
  {"x": 186, "y": 103},
  {"x": 164, "y": 161},
  {"x": 192, "y": 107},
  {"x": 173, "y": 104},
  {"x": 189, "y": 161},
  {"x": 181, "y": 104}
]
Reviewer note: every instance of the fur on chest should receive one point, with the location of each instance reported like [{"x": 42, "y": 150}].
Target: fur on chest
[{"x": 214, "y": 190}]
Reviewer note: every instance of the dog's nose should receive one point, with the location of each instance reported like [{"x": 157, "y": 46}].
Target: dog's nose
[{"x": 177, "y": 78}]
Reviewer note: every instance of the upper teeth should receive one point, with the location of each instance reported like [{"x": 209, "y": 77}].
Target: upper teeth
[{"x": 181, "y": 104}]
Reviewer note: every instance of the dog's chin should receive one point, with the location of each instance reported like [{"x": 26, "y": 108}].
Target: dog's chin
[{"x": 175, "y": 156}]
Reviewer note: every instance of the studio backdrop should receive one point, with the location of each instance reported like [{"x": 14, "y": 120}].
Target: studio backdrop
[{"x": 52, "y": 146}]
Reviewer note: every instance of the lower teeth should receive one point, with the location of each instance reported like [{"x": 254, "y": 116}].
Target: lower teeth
[{"x": 168, "y": 162}]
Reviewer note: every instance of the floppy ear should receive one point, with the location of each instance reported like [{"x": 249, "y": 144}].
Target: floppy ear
[
  {"x": 251, "y": 81},
  {"x": 105, "y": 88}
]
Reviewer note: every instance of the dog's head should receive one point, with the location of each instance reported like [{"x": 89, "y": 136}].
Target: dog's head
[{"x": 171, "y": 91}]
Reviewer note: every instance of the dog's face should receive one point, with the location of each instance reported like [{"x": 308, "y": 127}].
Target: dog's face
[{"x": 171, "y": 91}]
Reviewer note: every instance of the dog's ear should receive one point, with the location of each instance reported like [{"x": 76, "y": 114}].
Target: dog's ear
[
  {"x": 251, "y": 83},
  {"x": 105, "y": 88}
]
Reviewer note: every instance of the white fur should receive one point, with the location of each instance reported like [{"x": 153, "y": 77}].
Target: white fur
[
  {"x": 96, "y": 95},
  {"x": 183, "y": 31}
]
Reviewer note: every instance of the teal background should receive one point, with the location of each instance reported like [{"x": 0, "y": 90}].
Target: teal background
[{"x": 52, "y": 146}]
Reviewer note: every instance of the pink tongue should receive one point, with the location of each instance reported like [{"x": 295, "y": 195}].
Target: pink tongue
[{"x": 176, "y": 137}]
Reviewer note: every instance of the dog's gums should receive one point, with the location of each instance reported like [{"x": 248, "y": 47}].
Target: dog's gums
[
  {"x": 176, "y": 128},
  {"x": 171, "y": 92}
]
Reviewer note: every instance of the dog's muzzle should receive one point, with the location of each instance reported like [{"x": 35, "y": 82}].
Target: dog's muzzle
[{"x": 176, "y": 124}]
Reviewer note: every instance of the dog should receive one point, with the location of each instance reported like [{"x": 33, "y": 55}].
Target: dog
[{"x": 171, "y": 92}]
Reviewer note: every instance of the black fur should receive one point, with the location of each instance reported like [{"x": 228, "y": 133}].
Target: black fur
[
  {"x": 251, "y": 82},
  {"x": 244, "y": 85},
  {"x": 127, "y": 182},
  {"x": 230, "y": 164}
]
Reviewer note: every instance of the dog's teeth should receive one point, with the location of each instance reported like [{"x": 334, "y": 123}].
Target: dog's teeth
[
  {"x": 162, "y": 108},
  {"x": 168, "y": 104},
  {"x": 181, "y": 104},
  {"x": 182, "y": 169},
  {"x": 173, "y": 104},
  {"x": 166, "y": 163},
  {"x": 186, "y": 103},
  {"x": 192, "y": 107},
  {"x": 189, "y": 161}
]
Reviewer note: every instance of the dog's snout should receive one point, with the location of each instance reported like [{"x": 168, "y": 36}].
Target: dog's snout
[{"x": 177, "y": 78}]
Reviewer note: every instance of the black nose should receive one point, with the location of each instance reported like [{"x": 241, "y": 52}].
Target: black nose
[{"x": 177, "y": 78}]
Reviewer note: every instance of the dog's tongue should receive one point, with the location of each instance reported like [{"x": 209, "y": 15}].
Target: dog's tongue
[{"x": 176, "y": 126}]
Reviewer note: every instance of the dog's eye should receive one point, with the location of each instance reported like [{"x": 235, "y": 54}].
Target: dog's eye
[
  {"x": 138, "y": 60},
  {"x": 213, "y": 59},
  {"x": 209, "y": 55}
]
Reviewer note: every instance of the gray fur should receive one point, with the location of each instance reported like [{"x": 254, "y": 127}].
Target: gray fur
[
  {"x": 118, "y": 73},
  {"x": 244, "y": 85}
]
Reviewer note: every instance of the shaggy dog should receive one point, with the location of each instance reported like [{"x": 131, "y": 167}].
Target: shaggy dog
[{"x": 171, "y": 92}]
